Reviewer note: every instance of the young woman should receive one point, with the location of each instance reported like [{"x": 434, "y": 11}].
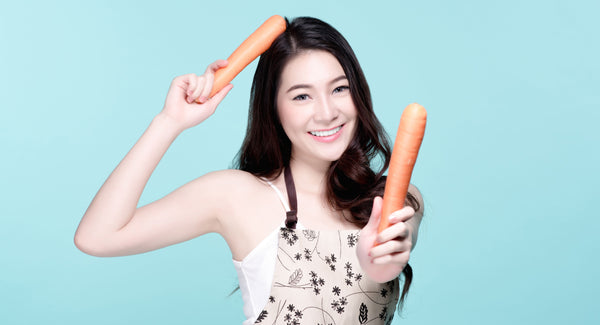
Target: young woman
[{"x": 300, "y": 214}]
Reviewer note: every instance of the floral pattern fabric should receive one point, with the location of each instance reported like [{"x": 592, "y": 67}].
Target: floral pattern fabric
[{"x": 318, "y": 280}]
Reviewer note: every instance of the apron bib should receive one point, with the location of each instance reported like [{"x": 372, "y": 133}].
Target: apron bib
[{"x": 318, "y": 279}]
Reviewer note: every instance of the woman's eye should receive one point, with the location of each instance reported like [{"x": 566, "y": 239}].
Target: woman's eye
[
  {"x": 301, "y": 97},
  {"x": 341, "y": 89}
]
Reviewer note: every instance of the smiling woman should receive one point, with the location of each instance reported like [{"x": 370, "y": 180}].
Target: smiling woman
[
  {"x": 315, "y": 107},
  {"x": 303, "y": 205}
]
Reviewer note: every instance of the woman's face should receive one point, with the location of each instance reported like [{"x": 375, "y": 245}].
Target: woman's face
[{"x": 315, "y": 106}]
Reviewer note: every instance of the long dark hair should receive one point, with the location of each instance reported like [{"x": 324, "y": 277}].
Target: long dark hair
[{"x": 266, "y": 150}]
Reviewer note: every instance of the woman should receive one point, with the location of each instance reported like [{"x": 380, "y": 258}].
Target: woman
[{"x": 304, "y": 191}]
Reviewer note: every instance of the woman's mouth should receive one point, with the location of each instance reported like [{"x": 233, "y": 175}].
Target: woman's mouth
[
  {"x": 327, "y": 136},
  {"x": 327, "y": 132}
]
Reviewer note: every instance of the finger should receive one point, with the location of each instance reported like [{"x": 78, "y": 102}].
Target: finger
[
  {"x": 210, "y": 78},
  {"x": 387, "y": 248},
  {"x": 200, "y": 85},
  {"x": 402, "y": 215},
  {"x": 191, "y": 82},
  {"x": 382, "y": 259},
  {"x": 218, "y": 97},
  {"x": 213, "y": 67},
  {"x": 375, "y": 212},
  {"x": 401, "y": 258},
  {"x": 398, "y": 230},
  {"x": 208, "y": 86}
]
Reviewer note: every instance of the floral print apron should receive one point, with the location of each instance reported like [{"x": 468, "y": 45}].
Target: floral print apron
[{"x": 318, "y": 279}]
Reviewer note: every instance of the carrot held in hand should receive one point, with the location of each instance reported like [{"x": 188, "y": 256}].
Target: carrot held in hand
[
  {"x": 257, "y": 43},
  {"x": 404, "y": 155}
]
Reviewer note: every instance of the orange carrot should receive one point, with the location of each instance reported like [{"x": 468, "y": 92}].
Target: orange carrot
[
  {"x": 406, "y": 148},
  {"x": 250, "y": 49}
]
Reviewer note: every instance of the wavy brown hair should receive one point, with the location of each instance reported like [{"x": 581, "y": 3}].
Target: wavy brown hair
[{"x": 266, "y": 150}]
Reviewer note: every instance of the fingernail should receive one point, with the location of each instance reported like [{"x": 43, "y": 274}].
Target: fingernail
[{"x": 203, "y": 99}]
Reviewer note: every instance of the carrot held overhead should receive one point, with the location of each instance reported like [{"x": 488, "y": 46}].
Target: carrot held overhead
[{"x": 257, "y": 43}]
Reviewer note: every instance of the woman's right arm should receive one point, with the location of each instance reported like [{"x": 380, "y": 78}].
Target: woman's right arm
[{"x": 113, "y": 225}]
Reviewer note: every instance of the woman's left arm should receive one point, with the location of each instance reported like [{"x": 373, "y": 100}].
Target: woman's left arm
[{"x": 383, "y": 256}]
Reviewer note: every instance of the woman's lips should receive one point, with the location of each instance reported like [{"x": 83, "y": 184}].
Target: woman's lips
[{"x": 327, "y": 135}]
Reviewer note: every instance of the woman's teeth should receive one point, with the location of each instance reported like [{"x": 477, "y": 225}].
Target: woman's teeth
[{"x": 326, "y": 133}]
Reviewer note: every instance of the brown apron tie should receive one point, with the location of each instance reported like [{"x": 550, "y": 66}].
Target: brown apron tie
[{"x": 292, "y": 215}]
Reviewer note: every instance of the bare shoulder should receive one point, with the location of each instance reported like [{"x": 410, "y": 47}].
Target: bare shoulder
[
  {"x": 412, "y": 189},
  {"x": 228, "y": 182},
  {"x": 224, "y": 186},
  {"x": 228, "y": 177},
  {"x": 237, "y": 194},
  {"x": 247, "y": 207}
]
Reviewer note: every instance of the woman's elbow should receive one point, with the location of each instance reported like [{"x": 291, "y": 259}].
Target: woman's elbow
[{"x": 88, "y": 246}]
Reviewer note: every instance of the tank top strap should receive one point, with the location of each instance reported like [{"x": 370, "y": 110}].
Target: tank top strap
[
  {"x": 292, "y": 215},
  {"x": 291, "y": 209},
  {"x": 279, "y": 194}
]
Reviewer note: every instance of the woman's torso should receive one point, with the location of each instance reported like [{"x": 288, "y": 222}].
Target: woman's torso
[
  {"x": 263, "y": 266},
  {"x": 254, "y": 210}
]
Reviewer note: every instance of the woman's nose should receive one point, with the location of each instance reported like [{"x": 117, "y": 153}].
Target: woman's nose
[{"x": 325, "y": 110}]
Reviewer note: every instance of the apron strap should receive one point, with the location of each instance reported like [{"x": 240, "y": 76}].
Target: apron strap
[{"x": 292, "y": 215}]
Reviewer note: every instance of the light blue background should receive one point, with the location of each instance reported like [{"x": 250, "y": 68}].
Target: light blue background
[{"x": 508, "y": 168}]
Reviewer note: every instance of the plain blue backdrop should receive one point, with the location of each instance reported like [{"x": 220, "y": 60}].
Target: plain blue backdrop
[{"x": 508, "y": 167}]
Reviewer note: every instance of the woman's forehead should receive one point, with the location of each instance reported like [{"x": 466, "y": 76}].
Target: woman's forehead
[{"x": 311, "y": 67}]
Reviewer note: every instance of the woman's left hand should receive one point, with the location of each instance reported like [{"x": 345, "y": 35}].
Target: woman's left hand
[{"x": 383, "y": 256}]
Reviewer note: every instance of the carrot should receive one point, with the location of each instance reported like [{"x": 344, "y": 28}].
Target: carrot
[
  {"x": 250, "y": 49},
  {"x": 404, "y": 155}
]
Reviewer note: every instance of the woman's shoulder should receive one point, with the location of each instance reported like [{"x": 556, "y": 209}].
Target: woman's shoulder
[
  {"x": 248, "y": 209},
  {"x": 230, "y": 192},
  {"x": 233, "y": 175},
  {"x": 412, "y": 189},
  {"x": 231, "y": 181}
]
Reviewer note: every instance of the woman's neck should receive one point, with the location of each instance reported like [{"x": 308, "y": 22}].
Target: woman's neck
[
  {"x": 309, "y": 178},
  {"x": 314, "y": 208}
]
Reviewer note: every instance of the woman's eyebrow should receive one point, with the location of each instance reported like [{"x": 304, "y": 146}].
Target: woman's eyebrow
[
  {"x": 342, "y": 77},
  {"x": 298, "y": 86},
  {"x": 294, "y": 87}
]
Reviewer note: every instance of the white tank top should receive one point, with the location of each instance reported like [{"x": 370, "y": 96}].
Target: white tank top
[{"x": 255, "y": 271}]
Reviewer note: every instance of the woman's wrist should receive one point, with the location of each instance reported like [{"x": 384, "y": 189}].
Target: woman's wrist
[{"x": 167, "y": 125}]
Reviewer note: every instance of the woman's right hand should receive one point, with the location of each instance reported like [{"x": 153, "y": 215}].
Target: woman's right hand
[{"x": 187, "y": 102}]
